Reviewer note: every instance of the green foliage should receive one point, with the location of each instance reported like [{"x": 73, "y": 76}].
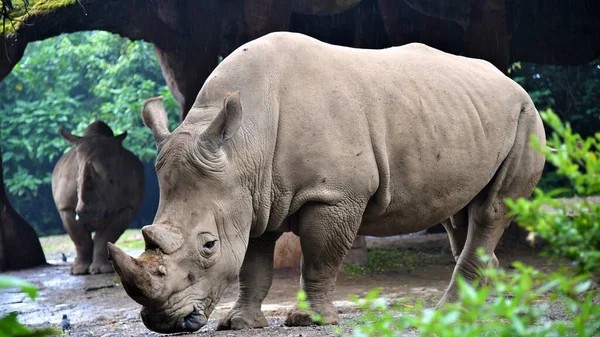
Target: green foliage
[
  {"x": 524, "y": 301},
  {"x": 70, "y": 81},
  {"x": 385, "y": 260},
  {"x": 573, "y": 94},
  {"x": 9, "y": 325},
  {"x": 13, "y": 282},
  {"x": 571, "y": 229}
]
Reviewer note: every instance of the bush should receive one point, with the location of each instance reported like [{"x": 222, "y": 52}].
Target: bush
[
  {"x": 523, "y": 302},
  {"x": 572, "y": 229}
]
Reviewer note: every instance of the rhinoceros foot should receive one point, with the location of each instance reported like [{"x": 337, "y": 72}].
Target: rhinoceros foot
[
  {"x": 238, "y": 319},
  {"x": 302, "y": 317},
  {"x": 80, "y": 268},
  {"x": 101, "y": 267}
]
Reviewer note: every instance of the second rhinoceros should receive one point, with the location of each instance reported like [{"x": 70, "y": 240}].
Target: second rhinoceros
[
  {"x": 327, "y": 142},
  {"x": 98, "y": 185}
]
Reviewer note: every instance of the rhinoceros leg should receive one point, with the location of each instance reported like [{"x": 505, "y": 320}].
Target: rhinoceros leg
[
  {"x": 457, "y": 228},
  {"x": 487, "y": 213},
  {"x": 255, "y": 280},
  {"x": 326, "y": 235},
  {"x": 110, "y": 233},
  {"x": 82, "y": 240}
]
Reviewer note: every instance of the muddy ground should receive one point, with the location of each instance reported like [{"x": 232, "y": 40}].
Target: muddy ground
[{"x": 98, "y": 306}]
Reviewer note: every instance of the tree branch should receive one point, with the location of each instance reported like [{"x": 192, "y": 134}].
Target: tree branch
[{"x": 134, "y": 19}]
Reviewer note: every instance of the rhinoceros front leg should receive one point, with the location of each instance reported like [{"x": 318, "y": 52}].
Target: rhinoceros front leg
[
  {"x": 82, "y": 240},
  {"x": 255, "y": 280},
  {"x": 110, "y": 233},
  {"x": 326, "y": 235}
]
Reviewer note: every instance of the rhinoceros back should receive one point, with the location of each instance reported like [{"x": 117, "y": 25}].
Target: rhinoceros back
[{"x": 420, "y": 130}]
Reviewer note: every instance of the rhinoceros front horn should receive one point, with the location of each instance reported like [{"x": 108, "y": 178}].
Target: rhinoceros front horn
[
  {"x": 137, "y": 281},
  {"x": 166, "y": 239}
]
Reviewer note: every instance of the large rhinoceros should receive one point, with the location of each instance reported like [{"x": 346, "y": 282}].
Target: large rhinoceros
[
  {"x": 327, "y": 142},
  {"x": 98, "y": 185}
]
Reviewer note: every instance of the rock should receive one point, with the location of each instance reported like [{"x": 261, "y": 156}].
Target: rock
[
  {"x": 287, "y": 252},
  {"x": 358, "y": 253}
]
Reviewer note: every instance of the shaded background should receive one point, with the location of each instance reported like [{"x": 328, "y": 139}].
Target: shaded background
[{"x": 72, "y": 80}]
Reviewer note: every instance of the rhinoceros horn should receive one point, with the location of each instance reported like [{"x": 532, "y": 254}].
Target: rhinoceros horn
[
  {"x": 166, "y": 239},
  {"x": 137, "y": 280}
]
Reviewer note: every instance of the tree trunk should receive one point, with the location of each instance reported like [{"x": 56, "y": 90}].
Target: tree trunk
[{"x": 19, "y": 245}]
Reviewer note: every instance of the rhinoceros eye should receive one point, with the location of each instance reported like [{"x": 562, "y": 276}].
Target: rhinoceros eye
[{"x": 210, "y": 244}]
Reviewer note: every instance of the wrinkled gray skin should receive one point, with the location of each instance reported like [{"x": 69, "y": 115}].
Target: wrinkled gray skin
[
  {"x": 98, "y": 185},
  {"x": 328, "y": 142}
]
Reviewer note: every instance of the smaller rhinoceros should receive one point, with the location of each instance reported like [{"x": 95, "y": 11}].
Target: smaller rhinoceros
[{"x": 98, "y": 186}]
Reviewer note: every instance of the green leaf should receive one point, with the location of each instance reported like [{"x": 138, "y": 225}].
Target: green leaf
[
  {"x": 13, "y": 282},
  {"x": 10, "y": 326},
  {"x": 582, "y": 287}
]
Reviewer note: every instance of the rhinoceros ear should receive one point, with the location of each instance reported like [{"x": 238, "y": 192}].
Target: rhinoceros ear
[
  {"x": 70, "y": 138},
  {"x": 121, "y": 137},
  {"x": 226, "y": 123},
  {"x": 155, "y": 118}
]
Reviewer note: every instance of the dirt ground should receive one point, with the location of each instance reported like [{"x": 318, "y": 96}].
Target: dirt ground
[{"x": 98, "y": 306}]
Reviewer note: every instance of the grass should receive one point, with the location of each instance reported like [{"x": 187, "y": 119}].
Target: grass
[
  {"x": 390, "y": 260},
  {"x": 15, "y": 17},
  {"x": 55, "y": 244},
  {"x": 133, "y": 244}
]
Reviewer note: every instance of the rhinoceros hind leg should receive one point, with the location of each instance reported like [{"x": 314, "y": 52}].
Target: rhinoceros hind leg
[
  {"x": 457, "y": 227},
  {"x": 326, "y": 235},
  {"x": 255, "y": 280},
  {"x": 82, "y": 240},
  {"x": 487, "y": 213},
  {"x": 110, "y": 233}
]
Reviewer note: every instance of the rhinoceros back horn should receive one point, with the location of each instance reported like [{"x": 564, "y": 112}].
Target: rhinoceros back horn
[{"x": 166, "y": 239}]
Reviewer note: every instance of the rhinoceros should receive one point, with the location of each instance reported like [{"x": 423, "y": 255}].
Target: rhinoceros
[
  {"x": 293, "y": 134},
  {"x": 98, "y": 185}
]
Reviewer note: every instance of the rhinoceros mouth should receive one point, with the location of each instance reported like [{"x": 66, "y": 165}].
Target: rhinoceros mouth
[
  {"x": 191, "y": 322},
  {"x": 194, "y": 321},
  {"x": 199, "y": 316}
]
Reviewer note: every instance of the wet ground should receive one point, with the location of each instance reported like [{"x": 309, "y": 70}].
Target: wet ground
[{"x": 98, "y": 306}]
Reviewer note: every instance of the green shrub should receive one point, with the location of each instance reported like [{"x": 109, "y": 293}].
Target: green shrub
[
  {"x": 572, "y": 229},
  {"x": 522, "y": 302}
]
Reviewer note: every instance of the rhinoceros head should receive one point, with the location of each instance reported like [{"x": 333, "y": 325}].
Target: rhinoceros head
[
  {"x": 197, "y": 243},
  {"x": 98, "y": 169}
]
